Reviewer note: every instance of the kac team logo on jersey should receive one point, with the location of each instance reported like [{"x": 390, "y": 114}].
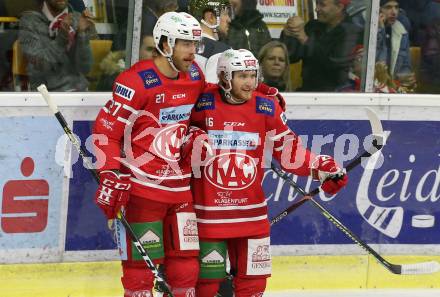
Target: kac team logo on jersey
[
  {"x": 265, "y": 106},
  {"x": 168, "y": 141},
  {"x": 231, "y": 171},
  {"x": 150, "y": 78},
  {"x": 194, "y": 73},
  {"x": 205, "y": 102}
]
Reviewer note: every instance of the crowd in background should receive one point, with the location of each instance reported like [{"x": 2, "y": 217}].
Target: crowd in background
[{"x": 326, "y": 52}]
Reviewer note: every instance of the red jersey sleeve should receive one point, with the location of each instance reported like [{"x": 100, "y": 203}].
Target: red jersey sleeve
[
  {"x": 286, "y": 145},
  {"x": 120, "y": 111}
]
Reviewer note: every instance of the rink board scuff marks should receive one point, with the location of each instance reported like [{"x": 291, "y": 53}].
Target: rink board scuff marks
[{"x": 102, "y": 279}]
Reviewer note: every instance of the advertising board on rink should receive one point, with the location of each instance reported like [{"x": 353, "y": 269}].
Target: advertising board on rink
[
  {"x": 397, "y": 203},
  {"x": 47, "y": 211},
  {"x": 31, "y": 189}
]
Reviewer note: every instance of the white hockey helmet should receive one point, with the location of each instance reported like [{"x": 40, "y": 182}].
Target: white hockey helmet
[
  {"x": 237, "y": 60},
  {"x": 176, "y": 25}
]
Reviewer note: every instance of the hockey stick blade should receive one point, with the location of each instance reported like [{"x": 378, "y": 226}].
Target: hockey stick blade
[
  {"x": 419, "y": 268},
  {"x": 52, "y": 105},
  {"x": 410, "y": 269}
]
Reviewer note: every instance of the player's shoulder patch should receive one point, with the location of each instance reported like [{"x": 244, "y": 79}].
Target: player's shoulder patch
[
  {"x": 265, "y": 105},
  {"x": 123, "y": 91},
  {"x": 283, "y": 118},
  {"x": 150, "y": 78},
  {"x": 194, "y": 72},
  {"x": 205, "y": 102}
]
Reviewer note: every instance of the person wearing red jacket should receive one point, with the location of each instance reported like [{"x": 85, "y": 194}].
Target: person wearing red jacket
[
  {"x": 138, "y": 136},
  {"x": 241, "y": 124}
]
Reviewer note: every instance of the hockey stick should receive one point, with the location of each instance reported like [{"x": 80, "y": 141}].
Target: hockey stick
[
  {"x": 54, "y": 108},
  {"x": 378, "y": 143},
  {"x": 416, "y": 268}
]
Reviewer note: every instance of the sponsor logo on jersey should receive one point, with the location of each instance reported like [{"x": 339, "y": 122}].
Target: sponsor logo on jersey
[
  {"x": 233, "y": 140},
  {"x": 150, "y": 78},
  {"x": 230, "y": 201},
  {"x": 205, "y": 102},
  {"x": 194, "y": 73},
  {"x": 124, "y": 91},
  {"x": 168, "y": 141},
  {"x": 179, "y": 96},
  {"x": 225, "y": 199},
  {"x": 150, "y": 239},
  {"x": 265, "y": 106},
  {"x": 283, "y": 118},
  {"x": 258, "y": 257},
  {"x": 187, "y": 231},
  {"x": 190, "y": 228},
  {"x": 175, "y": 114},
  {"x": 234, "y": 124},
  {"x": 107, "y": 124},
  {"x": 214, "y": 257},
  {"x": 231, "y": 171}
]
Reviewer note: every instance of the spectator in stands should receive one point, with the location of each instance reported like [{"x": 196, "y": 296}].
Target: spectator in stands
[
  {"x": 77, "y": 5},
  {"x": 429, "y": 37},
  {"x": 357, "y": 11},
  {"x": 247, "y": 29},
  {"x": 383, "y": 83},
  {"x": 324, "y": 45},
  {"x": 114, "y": 63},
  {"x": 274, "y": 62},
  {"x": 393, "y": 44},
  {"x": 55, "y": 41},
  {"x": 214, "y": 19},
  {"x": 147, "y": 48},
  {"x": 152, "y": 10}
]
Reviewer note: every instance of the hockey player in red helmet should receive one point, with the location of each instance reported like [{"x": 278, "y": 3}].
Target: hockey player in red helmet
[
  {"x": 231, "y": 209},
  {"x": 147, "y": 119}
]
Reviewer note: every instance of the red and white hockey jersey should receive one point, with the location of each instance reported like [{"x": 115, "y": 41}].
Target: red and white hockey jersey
[
  {"x": 229, "y": 199},
  {"x": 146, "y": 120}
]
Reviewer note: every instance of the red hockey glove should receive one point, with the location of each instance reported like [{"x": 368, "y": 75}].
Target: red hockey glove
[
  {"x": 273, "y": 92},
  {"x": 332, "y": 177},
  {"x": 113, "y": 192},
  {"x": 196, "y": 141}
]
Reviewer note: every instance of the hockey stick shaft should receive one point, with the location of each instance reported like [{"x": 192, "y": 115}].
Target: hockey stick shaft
[
  {"x": 417, "y": 268},
  {"x": 44, "y": 92},
  {"x": 378, "y": 142},
  {"x": 312, "y": 193}
]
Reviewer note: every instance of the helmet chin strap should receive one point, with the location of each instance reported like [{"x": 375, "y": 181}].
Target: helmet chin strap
[
  {"x": 228, "y": 94},
  {"x": 170, "y": 60},
  {"x": 169, "y": 57}
]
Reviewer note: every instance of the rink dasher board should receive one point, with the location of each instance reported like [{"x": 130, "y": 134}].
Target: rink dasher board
[{"x": 301, "y": 106}]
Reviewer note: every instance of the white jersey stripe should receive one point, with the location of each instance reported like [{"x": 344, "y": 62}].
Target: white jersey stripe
[
  {"x": 156, "y": 186},
  {"x": 279, "y": 136},
  {"x": 127, "y": 122},
  {"x": 225, "y": 221},
  {"x": 143, "y": 173},
  {"x": 130, "y": 109}
]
